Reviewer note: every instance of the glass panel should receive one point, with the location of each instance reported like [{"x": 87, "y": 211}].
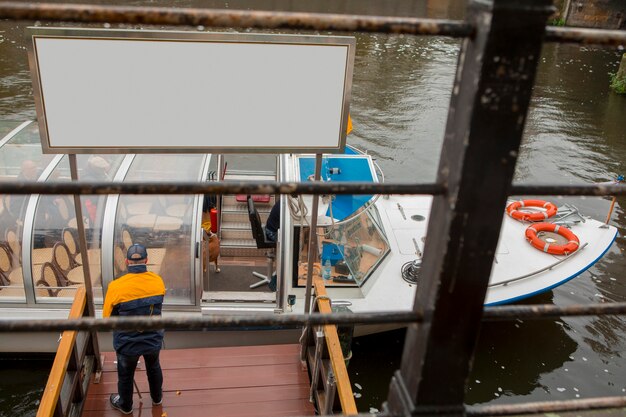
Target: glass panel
[
  {"x": 349, "y": 251},
  {"x": 162, "y": 223},
  {"x": 6, "y": 126},
  {"x": 57, "y": 263},
  {"x": 20, "y": 159}
]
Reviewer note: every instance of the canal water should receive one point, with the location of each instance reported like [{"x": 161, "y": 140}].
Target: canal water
[{"x": 575, "y": 133}]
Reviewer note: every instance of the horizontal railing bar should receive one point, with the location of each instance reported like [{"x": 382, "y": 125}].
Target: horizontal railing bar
[
  {"x": 233, "y": 18},
  {"x": 281, "y": 20},
  {"x": 526, "y": 408},
  {"x": 225, "y": 187},
  {"x": 545, "y": 311},
  {"x": 203, "y": 323},
  {"x": 571, "y": 190},
  {"x": 547, "y": 406},
  {"x": 270, "y": 187},
  {"x": 586, "y": 36}
]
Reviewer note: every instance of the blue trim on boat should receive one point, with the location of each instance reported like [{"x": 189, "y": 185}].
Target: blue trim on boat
[{"x": 521, "y": 297}]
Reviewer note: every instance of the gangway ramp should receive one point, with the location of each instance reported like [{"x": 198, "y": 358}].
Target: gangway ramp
[{"x": 267, "y": 380}]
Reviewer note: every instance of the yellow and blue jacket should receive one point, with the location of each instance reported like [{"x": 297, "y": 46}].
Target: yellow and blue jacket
[{"x": 138, "y": 293}]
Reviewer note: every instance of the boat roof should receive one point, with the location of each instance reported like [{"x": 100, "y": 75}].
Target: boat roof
[{"x": 340, "y": 168}]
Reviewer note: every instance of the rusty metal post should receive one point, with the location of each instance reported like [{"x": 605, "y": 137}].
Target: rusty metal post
[
  {"x": 313, "y": 253},
  {"x": 490, "y": 98},
  {"x": 82, "y": 239}
]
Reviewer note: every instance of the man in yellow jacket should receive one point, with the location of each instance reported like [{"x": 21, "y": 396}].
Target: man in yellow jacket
[{"x": 138, "y": 293}]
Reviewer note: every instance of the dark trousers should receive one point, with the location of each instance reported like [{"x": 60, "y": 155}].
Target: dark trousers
[{"x": 126, "y": 365}]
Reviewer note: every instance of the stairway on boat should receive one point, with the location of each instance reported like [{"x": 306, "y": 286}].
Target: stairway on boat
[{"x": 235, "y": 230}]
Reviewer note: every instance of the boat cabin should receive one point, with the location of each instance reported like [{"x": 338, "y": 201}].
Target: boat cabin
[{"x": 42, "y": 265}]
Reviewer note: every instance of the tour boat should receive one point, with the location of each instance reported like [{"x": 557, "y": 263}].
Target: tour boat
[
  {"x": 369, "y": 246},
  {"x": 99, "y": 96}
]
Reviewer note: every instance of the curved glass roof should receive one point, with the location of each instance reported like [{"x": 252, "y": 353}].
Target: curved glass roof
[{"x": 40, "y": 261}]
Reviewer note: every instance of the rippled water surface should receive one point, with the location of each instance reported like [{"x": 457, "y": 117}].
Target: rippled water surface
[
  {"x": 575, "y": 133},
  {"x": 21, "y": 385}
]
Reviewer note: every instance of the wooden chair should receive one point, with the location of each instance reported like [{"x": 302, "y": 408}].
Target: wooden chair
[
  {"x": 119, "y": 261},
  {"x": 15, "y": 245},
  {"x": 6, "y": 261},
  {"x": 62, "y": 260},
  {"x": 49, "y": 280},
  {"x": 127, "y": 239},
  {"x": 69, "y": 238}
]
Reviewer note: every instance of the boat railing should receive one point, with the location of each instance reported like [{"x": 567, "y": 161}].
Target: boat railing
[
  {"x": 539, "y": 271},
  {"x": 73, "y": 366},
  {"x": 326, "y": 361}
]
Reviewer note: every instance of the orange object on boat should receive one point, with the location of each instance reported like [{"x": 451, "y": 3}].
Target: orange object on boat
[
  {"x": 213, "y": 213},
  {"x": 514, "y": 211},
  {"x": 555, "y": 249}
]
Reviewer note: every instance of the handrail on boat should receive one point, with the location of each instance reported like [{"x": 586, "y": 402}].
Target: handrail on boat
[
  {"x": 560, "y": 261},
  {"x": 69, "y": 368},
  {"x": 337, "y": 360}
]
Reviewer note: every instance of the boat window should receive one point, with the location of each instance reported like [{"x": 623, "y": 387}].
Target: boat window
[
  {"x": 6, "y": 126},
  {"x": 351, "y": 250},
  {"x": 162, "y": 223},
  {"x": 20, "y": 159},
  {"x": 57, "y": 264}
]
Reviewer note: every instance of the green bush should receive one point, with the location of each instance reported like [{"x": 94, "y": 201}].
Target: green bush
[
  {"x": 557, "y": 22},
  {"x": 618, "y": 85}
]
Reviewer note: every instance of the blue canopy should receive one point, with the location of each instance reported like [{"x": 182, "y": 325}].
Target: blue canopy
[{"x": 341, "y": 168}]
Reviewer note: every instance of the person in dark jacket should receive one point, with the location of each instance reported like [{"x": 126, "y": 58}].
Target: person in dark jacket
[
  {"x": 138, "y": 293},
  {"x": 273, "y": 223}
]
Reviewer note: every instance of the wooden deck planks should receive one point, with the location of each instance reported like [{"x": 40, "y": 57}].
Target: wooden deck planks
[{"x": 236, "y": 381}]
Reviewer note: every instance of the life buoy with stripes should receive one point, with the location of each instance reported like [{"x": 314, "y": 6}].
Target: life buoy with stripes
[
  {"x": 570, "y": 247},
  {"x": 514, "y": 211}
]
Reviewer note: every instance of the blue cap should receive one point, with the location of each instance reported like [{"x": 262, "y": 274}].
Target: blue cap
[{"x": 137, "y": 252}]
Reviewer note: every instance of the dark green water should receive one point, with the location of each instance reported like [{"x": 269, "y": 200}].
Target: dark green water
[
  {"x": 21, "y": 384},
  {"x": 575, "y": 133}
]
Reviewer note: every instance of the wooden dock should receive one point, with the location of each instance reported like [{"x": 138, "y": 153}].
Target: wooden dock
[{"x": 228, "y": 381}]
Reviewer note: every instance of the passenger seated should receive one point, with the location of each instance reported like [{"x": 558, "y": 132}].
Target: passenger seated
[{"x": 273, "y": 223}]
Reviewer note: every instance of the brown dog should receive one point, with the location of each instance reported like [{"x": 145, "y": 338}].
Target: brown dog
[{"x": 214, "y": 250}]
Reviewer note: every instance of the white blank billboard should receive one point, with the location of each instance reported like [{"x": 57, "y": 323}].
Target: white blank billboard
[{"x": 118, "y": 91}]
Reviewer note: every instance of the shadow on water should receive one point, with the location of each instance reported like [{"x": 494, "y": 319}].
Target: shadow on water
[
  {"x": 24, "y": 381},
  {"x": 511, "y": 359},
  {"x": 512, "y": 356}
]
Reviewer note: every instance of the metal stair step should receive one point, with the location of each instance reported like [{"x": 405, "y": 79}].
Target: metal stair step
[
  {"x": 234, "y": 225},
  {"x": 256, "y": 176},
  {"x": 238, "y": 243},
  {"x": 243, "y": 208},
  {"x": 231, "y": 200},
  {"x": 236, "y": 234}
]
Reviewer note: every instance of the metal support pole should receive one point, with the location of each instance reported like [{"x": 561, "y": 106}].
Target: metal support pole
[
  {"x": 82, "y": 239},
  {"x": 317, "y": 360},
  {"x": 330, "y": 391},
  {"x": 490, "y": 98},
  {"x": 312, "y": 256}
]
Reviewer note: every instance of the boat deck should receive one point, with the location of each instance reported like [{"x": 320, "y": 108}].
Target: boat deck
[{"x": 229, "y": 381}]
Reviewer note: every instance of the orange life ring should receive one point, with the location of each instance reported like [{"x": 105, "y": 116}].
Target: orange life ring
[
  {"x": 570, "y": 247},
  {"x": 513, "y": 210}
]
